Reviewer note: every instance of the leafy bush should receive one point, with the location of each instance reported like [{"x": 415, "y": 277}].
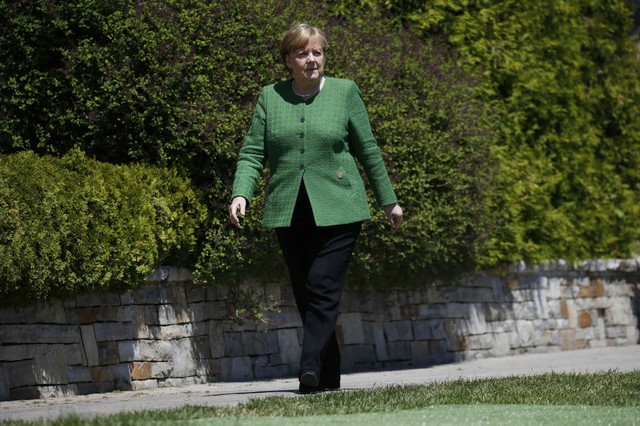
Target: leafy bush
[
  {"x": 72, "y": 224},
  {"x": 173, "y": 84},
  {"x": 562, "y": 77}
]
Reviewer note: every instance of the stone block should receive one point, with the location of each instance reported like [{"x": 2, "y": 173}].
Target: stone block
[
  {"x": 141, "y": 371},
  {"x": 619, "y": 312},
  {"x": 139, "y": 385},
  {"x": 145, "y": 350},
  {"x": 97, "y": 299},
  {"x": 177, "y": 331},
  {"x": 350, "y": 329},
  {"x": 620, "y": 332},
  {"x": 399, "y": 351},
  {"x": 501, "y": 345},
  {"x": 48, "y": 367},
  {"x": 108, "y": 353},
  {"x": 272, "y": 371},
  {"x": 151, "y": 315},
  {"x": 126, "y": 299},
  {"x": 436, "y": 295},
  {"x": 455, "y": 340},
  {"x": 122, "y": 376},
  {"x": 17, "y": 352},
  {"x": 101, "y": 374},
  {"x": 273, "y": 291},
  {"x": 233, "y": 344},
  {"x": 568, "y": 340},
  {"x": 207, "y": 310},
  {"x": 380, "y": 343},
  {"x": 55, "y": 391},
  {"x": 363, "y": 353},
  {"x": 236, "y": 369},
  {"x": 524, "y": 335},
  {"x": 139, "y": 327},
  {"x": 161, "y": 370},
  {"x": 196, "y": 293},
  {"x": 91, "y": 388},
  {"x": 475, "y": 295},
  {"x": 420, "y": 351},
  {"x": 78, "y": 374},
  {"x": 457, "y": 310},
  {"x": 346, "y": 361},
  {"x": 432, "y": 311},
  {"x": 398, "y": 331},
  {"x": 287, "y": 318},
  {"x": 184, "y": 363},
  {"x": 148, "y": 294},
  {"x": 525, "y": 310},
  {"x": 112, "y": 331},
  {"x": 25, "y": 392},
  {"x": 374, "y": 303},
  {"x": 46, "y": 313},
  {"x": 29, "y": 333},
  {"x": 89, "y": 345},
  {"x": 482, "y": 342},
  {"x": 584, "y": 319},
  {"x": 554, "y": 290},
  {"x": 260, "y": 343},
  {"x": 216, "y": 339},
  {"x": 587, "y": 333},
  {"x": 12, "y": 315},
  {"x": 290, "y": 346},
  {"x": 429, "y": 330},
  {"x": 5, "y": 390},
  {"x": 181, "y": 381}
]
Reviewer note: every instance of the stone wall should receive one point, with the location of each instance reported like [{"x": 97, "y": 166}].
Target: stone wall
[{"x": 172, "y": 333}]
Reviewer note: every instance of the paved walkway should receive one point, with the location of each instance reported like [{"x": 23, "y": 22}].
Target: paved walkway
[{"x": 624, "y": 358}]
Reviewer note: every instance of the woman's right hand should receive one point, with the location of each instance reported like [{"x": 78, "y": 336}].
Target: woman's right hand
[{"x": 237, "y": 207}]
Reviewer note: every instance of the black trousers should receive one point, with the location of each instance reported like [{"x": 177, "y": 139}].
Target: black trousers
[{"x": 317, "y": 258}]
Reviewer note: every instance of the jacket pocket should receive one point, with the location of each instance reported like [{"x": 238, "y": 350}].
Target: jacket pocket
[{"x": 342, "y": 178}]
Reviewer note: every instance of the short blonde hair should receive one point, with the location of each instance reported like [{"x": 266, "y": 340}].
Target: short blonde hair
[{"x": 298, "y": 37}]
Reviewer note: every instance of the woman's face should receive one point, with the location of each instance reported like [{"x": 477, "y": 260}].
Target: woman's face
[{"x": 307, "y": 64}]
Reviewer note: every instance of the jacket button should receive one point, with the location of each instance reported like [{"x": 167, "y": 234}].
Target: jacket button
[
  {"x": 301, "y": 150},
  {"x": 340, "y": 175},
  {"x": 302, "y": 134},
  {"x": 301, "y": 166},
  {"x": 302, "y": 119}
]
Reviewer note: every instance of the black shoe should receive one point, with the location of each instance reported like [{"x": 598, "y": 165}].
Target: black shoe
[{"x": 309, "y": 383}]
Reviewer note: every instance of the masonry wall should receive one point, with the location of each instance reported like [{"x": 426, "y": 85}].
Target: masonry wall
[{"x": 172, "y": 333}]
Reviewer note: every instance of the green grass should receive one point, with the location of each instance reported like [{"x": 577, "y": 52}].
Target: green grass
[{"x": 601, "y": 398}]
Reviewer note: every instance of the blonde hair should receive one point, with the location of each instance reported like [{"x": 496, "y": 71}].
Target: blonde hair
[{"x": 298, "y": 37}]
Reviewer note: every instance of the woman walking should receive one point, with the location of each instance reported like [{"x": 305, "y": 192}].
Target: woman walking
[{"x": 311, "y": 129}]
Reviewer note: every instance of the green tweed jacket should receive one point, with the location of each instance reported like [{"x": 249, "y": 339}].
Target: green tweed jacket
[{"x": 316, "y": 141}]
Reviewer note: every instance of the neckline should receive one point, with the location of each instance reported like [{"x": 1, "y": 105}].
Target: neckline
[{"x": 309, "y": 95}]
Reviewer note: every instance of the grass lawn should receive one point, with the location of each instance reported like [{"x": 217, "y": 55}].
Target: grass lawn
[{"x": 552, "y": 399}]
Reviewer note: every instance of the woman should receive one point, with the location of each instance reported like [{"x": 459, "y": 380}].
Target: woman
[{"x": 311, "y": 128}]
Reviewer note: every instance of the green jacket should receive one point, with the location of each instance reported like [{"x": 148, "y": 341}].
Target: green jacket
[{"x": 317, "y": 141}]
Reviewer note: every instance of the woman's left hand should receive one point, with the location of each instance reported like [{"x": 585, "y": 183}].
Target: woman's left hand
[{"x": 394, "y": 214}]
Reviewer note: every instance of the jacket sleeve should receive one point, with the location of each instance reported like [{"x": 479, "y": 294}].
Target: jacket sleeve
[
  {"x": 252, "y": 157},
  {"x": 365, "y": 148}
]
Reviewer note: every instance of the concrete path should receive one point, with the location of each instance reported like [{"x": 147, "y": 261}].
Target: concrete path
[{"x": 624, "y": 358}]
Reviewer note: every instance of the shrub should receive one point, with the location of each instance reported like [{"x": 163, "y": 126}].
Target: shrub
[
  {"x": 73, "y": 224},
  {"x": 562, "y": 77},
  {"x": 173, "y": 84}
]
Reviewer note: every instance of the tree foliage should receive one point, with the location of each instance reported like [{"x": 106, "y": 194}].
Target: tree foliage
[
  {"x": 563, "y": 78},
  {"x": 173, "y": 84}
]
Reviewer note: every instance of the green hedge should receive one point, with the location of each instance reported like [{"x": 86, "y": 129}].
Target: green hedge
[
  {"x": 172, "y": 83},
  {"x": 73, "y": 224},
  {"x": 563, "y": 79}
]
